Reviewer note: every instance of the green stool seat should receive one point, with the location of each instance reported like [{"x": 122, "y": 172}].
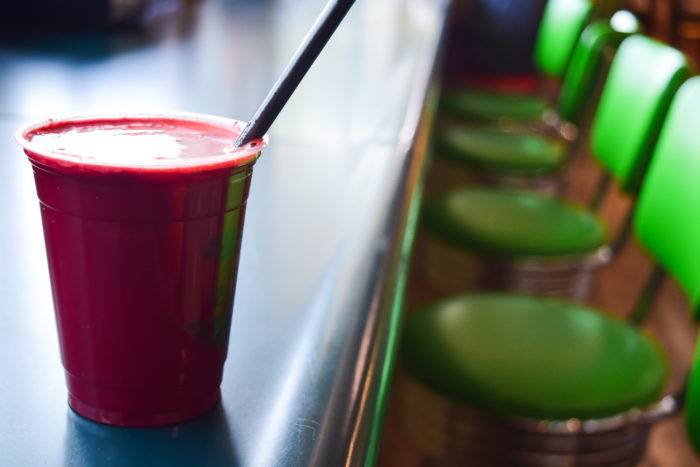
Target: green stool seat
[
  {"x": 513, "y": 222},
  {"x": 532, "y": 357},
  {"x": 481, "y": 105},
  {"x": 491, "y": 149}
]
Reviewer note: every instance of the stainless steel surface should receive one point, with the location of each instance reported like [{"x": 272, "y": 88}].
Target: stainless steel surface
[
  {"x": 312, "y": 325},
  {"x": 448, "y": 433}
]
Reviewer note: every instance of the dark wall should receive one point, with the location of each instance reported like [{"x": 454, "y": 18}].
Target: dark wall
[{"x": 494, "y": 36}]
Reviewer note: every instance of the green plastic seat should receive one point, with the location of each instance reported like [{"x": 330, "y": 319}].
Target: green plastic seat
[
  {"x": 491, "y": 149},
  {"x": 483, "y": 105},
  {"x": 532, "y": 357},
  {"x": 667, "y": 220},
  {"x": 511, "y": 222}
]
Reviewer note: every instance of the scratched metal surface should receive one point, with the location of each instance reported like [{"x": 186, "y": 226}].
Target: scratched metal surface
[{"x": 309, "y": 334}]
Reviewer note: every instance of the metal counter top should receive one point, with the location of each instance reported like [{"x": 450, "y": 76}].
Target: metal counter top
[{"x": 315, "y": 313}]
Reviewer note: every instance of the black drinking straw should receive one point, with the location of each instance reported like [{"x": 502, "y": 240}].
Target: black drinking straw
[{"x": 306, "y": 54}]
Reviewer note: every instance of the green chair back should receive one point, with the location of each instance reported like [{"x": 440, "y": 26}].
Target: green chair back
[
  {"x": 644, "y": 76},
  {"x": 586, "y": 64},
  {"x": 667, "y": 220},
  {"x": 559, "y": 31}
]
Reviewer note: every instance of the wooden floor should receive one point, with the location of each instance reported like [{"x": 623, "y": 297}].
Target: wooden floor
[{"x": 614, "y": 292}]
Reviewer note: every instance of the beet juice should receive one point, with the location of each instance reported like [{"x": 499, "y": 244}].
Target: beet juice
[{"x": 142, "y": 219}]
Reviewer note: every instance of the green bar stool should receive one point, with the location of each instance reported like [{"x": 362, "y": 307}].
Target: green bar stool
[
  {"x": 499, "y": 379},
  {"x": 507, "y": 238},
  {"x": 560, "y": 27},
  {"x": 530, "y": 155}
]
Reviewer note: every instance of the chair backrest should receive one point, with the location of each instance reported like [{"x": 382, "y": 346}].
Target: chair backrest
[
  {"x": 667, "y": 219},
  {"x": 644, "y": 76},
  {"x": 585, "y": 67},
  {"x": 561, "y": 25}
]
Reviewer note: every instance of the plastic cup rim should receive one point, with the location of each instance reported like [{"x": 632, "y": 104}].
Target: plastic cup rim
[{"x": 243, "y": 156}]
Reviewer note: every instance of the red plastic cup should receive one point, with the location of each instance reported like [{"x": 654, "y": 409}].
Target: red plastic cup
[{"x": 143, "y": 264}]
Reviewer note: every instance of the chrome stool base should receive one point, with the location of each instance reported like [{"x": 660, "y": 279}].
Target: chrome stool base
[
  {"x": 447, "y": 433},
  {"x": 445, "y": 175},
  {"x": 448, "y": 270}
]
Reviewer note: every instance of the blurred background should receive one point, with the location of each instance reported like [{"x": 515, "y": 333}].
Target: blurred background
[{"x": 498, "y": 36}]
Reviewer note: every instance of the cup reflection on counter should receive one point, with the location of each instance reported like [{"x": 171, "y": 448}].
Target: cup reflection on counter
[{"x": 204, "y": 441}]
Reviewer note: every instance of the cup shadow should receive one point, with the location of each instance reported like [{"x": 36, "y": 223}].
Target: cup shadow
[{"x": 203, "y": 441}]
